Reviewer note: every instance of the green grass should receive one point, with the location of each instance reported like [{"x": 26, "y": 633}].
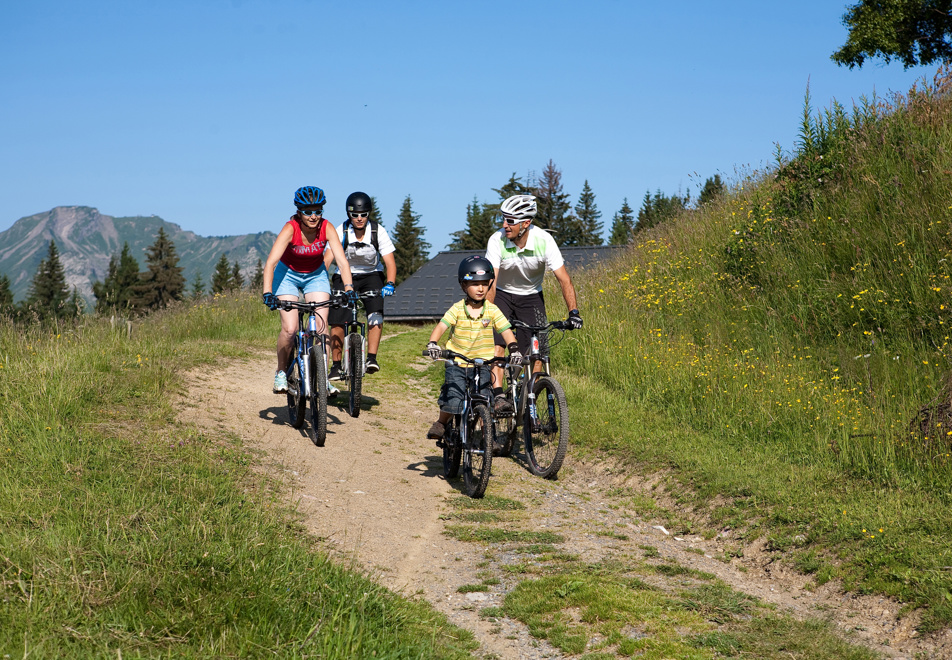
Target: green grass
[
  {"x": 122, "y": 533},
  {"x": 770, "y": 353}
]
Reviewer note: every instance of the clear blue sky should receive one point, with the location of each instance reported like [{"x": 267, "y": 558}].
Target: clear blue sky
[{"x": 210, "y": 113}]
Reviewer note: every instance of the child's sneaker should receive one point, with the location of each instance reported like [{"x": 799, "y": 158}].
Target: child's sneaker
[
  {"x": 280, "y": 382},
  {"x": 372, "y": 366}
]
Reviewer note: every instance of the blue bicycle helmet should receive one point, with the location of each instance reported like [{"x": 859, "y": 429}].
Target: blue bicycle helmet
[{"x": 309, "y": 196}]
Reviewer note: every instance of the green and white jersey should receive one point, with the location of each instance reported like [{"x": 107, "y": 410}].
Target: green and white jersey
[{"x": 520, "y": 272}]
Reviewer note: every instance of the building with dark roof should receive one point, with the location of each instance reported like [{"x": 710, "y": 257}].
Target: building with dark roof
[{"x": 433, "y": 289}]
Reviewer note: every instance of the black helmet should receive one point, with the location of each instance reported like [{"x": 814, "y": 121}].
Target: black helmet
[
  {"x": 359, "y": 202},
  {"x": 476, "y": 269}
]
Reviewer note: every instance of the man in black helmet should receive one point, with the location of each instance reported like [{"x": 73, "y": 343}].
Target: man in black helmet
[{"x": 369, "y": 252}]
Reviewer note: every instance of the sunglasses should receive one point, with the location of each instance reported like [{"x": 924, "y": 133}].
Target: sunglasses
[
  {"x": 311, "y": 211},
  {"x": 510, "y": 221},
  {"x": 365, "y": 214}
]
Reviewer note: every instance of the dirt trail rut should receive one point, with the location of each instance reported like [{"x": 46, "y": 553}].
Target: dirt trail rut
[{"x": 375, "y": 496}]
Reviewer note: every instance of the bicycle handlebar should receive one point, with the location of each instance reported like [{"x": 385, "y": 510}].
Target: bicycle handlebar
[
  {"x": 551, "y": 325},
  {"x": 448, "y": 356},
  {"x": 312, "y": 307}
]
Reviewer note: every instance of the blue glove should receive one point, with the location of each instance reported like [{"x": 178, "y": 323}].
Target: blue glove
[
  {"x": 387, "y": 290},
  {"x": 351, "y": 297},
  {"x": 270, "y": 300}
]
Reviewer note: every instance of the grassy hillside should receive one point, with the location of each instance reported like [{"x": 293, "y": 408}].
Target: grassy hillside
[
  {"x": 123, "y": 532},
  {"x": 785, "y": 351}
]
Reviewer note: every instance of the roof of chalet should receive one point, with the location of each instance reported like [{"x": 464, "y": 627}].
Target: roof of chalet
[{"x": 433, "y": 289}]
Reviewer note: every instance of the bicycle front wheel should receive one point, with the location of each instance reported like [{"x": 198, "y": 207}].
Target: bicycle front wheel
[
  {"x": 355, "y": 346},
  {"x": 296, "y": 399},
  {"x": 547, "y": 434},
  {"x": 478, "y": 453},
  {"x": 318, "y": 396}
]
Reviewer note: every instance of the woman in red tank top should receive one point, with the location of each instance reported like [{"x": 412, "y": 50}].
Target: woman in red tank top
[{"x": 295, "y": 265}]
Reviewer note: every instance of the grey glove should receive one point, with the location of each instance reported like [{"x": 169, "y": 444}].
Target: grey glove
[
  {"x": 434, "y": 350},
  {"x": 515, "y": 358}
]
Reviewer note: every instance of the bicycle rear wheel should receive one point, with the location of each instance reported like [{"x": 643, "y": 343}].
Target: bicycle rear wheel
[
  {"x": 318, "y": 396},
  {"x": 296, "y": 399},
  {"x": 451, "y": 450},
  {"x": 506, "y": 433},
  {"x": 478, "y": 454},
  {"x": 547, "y": 436},
  {"x": 355, "y": 345}
]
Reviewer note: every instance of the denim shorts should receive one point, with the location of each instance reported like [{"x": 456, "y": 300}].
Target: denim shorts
[
  {"x": 289, "y": 282},
  {"x": 454, "y": 387}
]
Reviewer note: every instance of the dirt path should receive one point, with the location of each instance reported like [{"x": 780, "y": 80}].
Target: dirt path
[{"x": 376, "y": 497}]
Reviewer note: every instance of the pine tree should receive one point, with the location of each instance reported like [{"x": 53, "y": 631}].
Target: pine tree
[
  {"x": 623, "y": 225},
  {"x": 660, "y": 208},
  {"x": 374, "y": 212},
  {"x": 198, "y": 286},
  {"x": 237, "y": 281},
  {"x": 162, "y": 283},
  {"x": 587, "y": 213},
  {"x": 257, "y": 282},
  {"x": 713, "y": 188},
  {"x": 6, "y": 295},
  {"x": 480, "y": 225},
  {"x": 411, "y": 251},
  {"x": 553, "y": 204},
  {"x": 117, "y": 291},
  {"x": 49, "y": 296},
  {"x": 221, "y": 279}
]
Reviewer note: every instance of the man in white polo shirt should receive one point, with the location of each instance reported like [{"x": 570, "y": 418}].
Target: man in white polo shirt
[{"x": 521, "y": 254}]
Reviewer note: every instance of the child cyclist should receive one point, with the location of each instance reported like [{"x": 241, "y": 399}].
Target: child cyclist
[
  {"x": 471, "y": 322},
  {"x": 296, "y": 264}
]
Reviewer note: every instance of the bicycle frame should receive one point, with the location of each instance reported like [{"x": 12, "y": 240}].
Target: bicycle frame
[
  {"x": 522, "y": 378},
  {"x": 354, "y": 326}
]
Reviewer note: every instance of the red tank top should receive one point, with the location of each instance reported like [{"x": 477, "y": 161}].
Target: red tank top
[{"x": 305, "y": 258}]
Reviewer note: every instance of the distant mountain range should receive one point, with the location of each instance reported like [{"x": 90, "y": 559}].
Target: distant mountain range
[{"x": 87, "y": 239}]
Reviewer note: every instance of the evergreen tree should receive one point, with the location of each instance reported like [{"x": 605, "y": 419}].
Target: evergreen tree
[
  {"x": 514, "y": 186},
  {"x": 623, "y": 225},
  {"x": 912, "y": 31},
  {"x": 553, "y": 205},
  {"x": 257, "y": 282},
  {"x": 49, "y": 296},
  {"x": 198, "y": 286},
  {"x": 162, "y": 283},
  {"x": 6, "y": 295},
  {"x": 117, "y": 291},
  {"x": 221, "y": 279},
  {"x": 411, "y": 251},
  {"x": 374, "y": 213},
  {"x": 480, "y": 225},
  {"x": 237, "y": 281},
  {"x": 589, "y": 228},
  {"x": 660, "y": 208},
  {"x": 713, "y": 188}
]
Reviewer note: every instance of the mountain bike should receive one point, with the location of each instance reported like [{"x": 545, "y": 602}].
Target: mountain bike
[
  {"x": 539, "y": 406},
  {"x": 468, "y": 438},
  {"x": 354, "y": 357},
  {"x": 307, "y": 371}
]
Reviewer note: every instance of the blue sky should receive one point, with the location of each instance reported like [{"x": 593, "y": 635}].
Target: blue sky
[{"x": 210, "y": 113}]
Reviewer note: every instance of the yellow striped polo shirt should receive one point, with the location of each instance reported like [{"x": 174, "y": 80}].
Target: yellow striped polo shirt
[{"x": 473, "y": 337}]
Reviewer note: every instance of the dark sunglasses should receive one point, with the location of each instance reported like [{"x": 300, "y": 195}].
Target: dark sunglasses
[
  {"x": 365, "y": 214},
  {"x": 311, "y": 212}
]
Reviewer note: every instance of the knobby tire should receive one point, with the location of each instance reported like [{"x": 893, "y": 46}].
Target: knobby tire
[
  {"x": 451, "y": 450},
  {"x": 318, "y": 396},
  {"x": 296, "y": 399},
  {"x": 547, "y": 438},
  {"x": 478, "y": 459},
  {"x": 355, "y": 344}
]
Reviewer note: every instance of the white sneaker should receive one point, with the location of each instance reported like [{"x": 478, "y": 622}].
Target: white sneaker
[
  {"x": 331, "y": 390},
  {"x": 280, "y": 382}
]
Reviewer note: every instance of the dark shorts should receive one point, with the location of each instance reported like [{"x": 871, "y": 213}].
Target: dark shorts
[
  {"x": 528, "y": 309},
  {"x": 362, "y": 282},
  {"x": 454, "y": 387}
]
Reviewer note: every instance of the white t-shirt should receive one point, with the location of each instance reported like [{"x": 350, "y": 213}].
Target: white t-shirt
[
  {"x": 520, "y": 272},
  {"x": 361, "y": 255}
]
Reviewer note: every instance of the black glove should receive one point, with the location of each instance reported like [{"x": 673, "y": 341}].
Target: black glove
[
  {"x": 434, "y": 350},
  {"x": 270, "y": 300},
  {"x": 575, "y": 320}
]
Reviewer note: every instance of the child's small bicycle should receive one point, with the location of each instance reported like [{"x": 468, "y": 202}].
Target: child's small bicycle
[
  {"x": 468, "y": 438},
  {"x": 354, "y": 363},
  {"x": 307, "y": 371},
  {"x": 539, "y": 406}
]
